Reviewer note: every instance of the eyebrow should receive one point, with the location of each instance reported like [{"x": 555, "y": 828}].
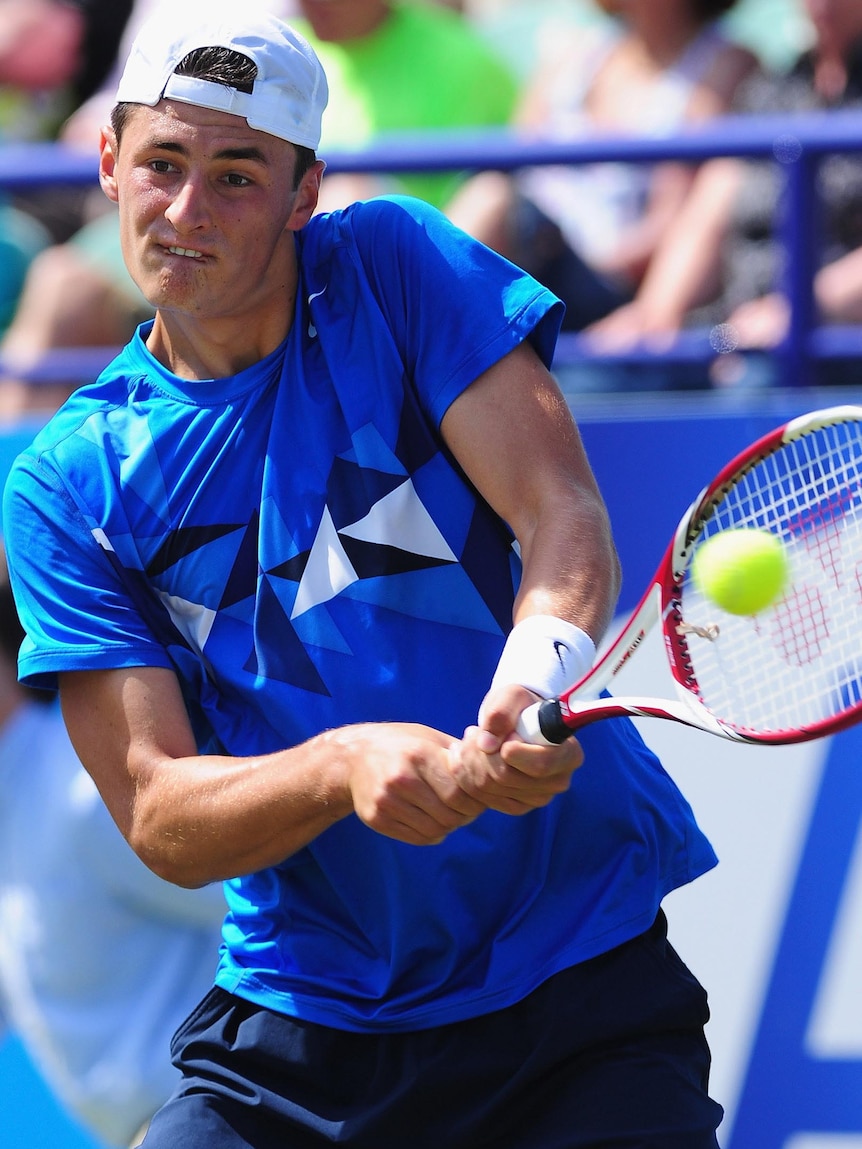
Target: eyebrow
[{"x": 247, "y": 153}]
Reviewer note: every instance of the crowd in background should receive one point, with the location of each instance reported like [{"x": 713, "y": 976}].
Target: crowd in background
[
  {"x": 607, "y": 238},
  {"x": 637, "y": 253}
]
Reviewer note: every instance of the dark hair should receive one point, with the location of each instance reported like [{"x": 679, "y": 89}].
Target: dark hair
[{"x": 219, "y": 66}]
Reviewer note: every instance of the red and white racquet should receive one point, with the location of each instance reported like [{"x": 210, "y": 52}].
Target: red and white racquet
[{"x": 792, "y": 672}]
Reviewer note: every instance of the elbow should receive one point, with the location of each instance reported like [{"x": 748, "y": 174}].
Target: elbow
[
  {"x": 615, "y": 567},
  {"x": 170, "y": 849},
  {"x": 168, "y": 859},
  {"x": 615, "y": 574}
]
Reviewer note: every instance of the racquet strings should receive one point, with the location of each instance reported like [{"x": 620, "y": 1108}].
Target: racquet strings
[{"x": 798, "y": 664}]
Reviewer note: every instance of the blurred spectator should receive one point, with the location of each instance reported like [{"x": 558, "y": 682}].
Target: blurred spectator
[
  {"x": 76, "y": 293},
  {"x": 41, "y": 43},
  {"x": 53, "y": 54},
  {"x": 99, "y": 960},
  {"x": 50, "y": 45},
  {"x": 396, "y": 67},
  {"x": 39, "y": 48},
  {"x": 589, "y": 231},
  {"x": 22, "y": 237},
  {"x": 721, "y": 262}
]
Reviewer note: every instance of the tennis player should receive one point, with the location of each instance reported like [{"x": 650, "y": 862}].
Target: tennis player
[{"x": 322, "y": 511}]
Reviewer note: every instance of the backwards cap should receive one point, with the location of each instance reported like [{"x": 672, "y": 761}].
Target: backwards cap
[{"x": 289, "y": 94}]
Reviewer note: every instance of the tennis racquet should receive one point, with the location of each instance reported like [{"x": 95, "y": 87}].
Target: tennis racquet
[{"x": 788, "y": 674}]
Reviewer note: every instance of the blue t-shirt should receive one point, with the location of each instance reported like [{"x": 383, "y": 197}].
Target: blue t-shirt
[{"x": 297, "y": 543}]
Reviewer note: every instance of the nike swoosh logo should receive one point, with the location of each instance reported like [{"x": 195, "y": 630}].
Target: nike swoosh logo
[
  {"x": 559, "y": 647},
  {"x": 315, "y": 294}
]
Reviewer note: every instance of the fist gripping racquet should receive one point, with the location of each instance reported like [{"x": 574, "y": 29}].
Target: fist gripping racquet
[{"x": 792, "y": 672}]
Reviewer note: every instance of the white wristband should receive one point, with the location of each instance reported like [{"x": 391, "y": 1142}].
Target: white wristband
[{"x": 545, "y": 654}]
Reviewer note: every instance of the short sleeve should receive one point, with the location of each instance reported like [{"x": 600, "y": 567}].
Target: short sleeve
[
  {"x": 453, "y": 306},
  {"x": 77, "y": 612}
]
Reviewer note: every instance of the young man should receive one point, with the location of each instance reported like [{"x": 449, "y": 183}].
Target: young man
[{"x": 273, "y": 558}]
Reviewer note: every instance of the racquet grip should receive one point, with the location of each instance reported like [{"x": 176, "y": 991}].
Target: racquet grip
[{"x": 542, "y": 724}]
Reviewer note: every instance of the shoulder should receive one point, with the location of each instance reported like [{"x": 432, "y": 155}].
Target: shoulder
[
  {"x": 716, "y": 68},
  {"x": 379, "y": 225},
  {"x": 70, "y": 447},
  {"x": 568, "y": 59},
  {"x": 724, "y": 63}
]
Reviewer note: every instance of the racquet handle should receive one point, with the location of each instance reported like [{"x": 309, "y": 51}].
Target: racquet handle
[{"x": 542, "y": 724}]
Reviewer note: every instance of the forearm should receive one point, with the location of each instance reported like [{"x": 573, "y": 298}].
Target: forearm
[
  {"x": 202, "y": 818},
  {"x": 630, "y": 260},
  {"x": 514, "y": 435},
  {"x": 570, "y": 564},
  {"x": 686, "y": 269},
  {"x": 195, "y": 818}
]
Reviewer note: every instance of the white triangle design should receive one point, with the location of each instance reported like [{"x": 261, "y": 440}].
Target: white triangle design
[
  {"x": 401, "y": 520},
  {"x": 327, "y": 572},
  {"x": 193, "y": 621}
]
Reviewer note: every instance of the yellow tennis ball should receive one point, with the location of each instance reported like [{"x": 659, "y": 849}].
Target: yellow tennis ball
[{"x": 742, "y": 571}]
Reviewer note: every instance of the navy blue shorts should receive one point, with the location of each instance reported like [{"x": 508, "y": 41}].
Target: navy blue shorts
[{"x": 609, "y": 1053}]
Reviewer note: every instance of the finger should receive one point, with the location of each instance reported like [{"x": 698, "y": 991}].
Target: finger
[
  {"x": 489, "y": 780},
  {"x": 500, "y": 710},
  {"x": 542, "y": 761},
  {"x": 421, "y": 825}
]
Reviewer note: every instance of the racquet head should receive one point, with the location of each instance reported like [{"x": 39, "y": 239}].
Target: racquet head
[
  {"x": 794, "y": 670},
  {"x": 789, "y": 673}
]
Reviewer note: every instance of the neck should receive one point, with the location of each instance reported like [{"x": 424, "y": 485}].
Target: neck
[
  {"x": 341, "y": 21},
  {"x": 662, "y": 39},
  {"x": 199, "y": 349}
]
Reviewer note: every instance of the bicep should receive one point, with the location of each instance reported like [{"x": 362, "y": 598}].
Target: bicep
[
  {"x": 513, "y": 435},
  {"x": 123, "y": 724},
  {"x": 515, "y": 438}
]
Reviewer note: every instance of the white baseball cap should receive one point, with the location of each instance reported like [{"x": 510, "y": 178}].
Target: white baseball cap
[{"x": 289, "y": 93}]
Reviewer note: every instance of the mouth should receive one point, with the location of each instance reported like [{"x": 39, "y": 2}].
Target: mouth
[{"x": 186, "y": 252}]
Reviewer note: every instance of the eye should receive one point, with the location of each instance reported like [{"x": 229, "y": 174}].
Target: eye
[
  {"x": 162, "y": 166},
  {"x": 235, "y": 180}
]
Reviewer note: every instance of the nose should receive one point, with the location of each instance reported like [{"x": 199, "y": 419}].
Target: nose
[{"x": 188, "y": 210}]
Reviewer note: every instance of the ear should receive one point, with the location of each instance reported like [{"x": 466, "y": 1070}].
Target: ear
[
  {"x": 107, "y": 163},
  {"x": 306, "y": 196}
]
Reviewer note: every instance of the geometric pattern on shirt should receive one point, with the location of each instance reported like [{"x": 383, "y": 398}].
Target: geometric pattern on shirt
[{"x": 373, "y": 526}]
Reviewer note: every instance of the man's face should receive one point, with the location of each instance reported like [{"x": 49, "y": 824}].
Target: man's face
[{"x": 207, "y": 209}]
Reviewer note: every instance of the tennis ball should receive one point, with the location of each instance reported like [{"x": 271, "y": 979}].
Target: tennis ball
[{"x": 742, "y": 571}]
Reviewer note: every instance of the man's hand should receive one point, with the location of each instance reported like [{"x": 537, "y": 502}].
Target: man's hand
[
  {"x": 399, "y": 781},
  {"x": 495, "y": 767}
]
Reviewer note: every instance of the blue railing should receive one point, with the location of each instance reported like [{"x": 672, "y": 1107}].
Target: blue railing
[{"x": 797, "y": 143}]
